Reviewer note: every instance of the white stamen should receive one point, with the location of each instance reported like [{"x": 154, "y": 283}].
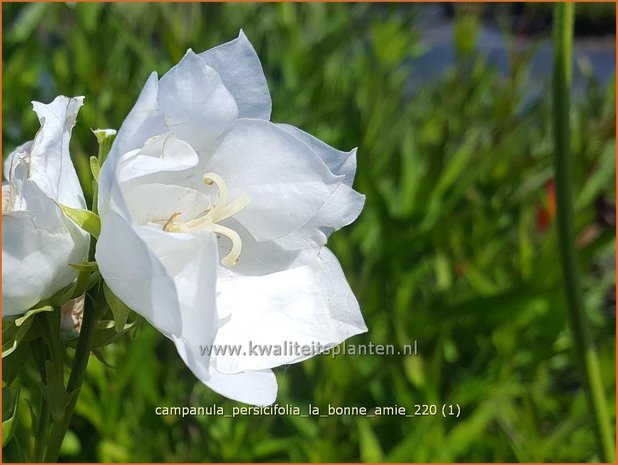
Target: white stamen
[{"x": 209, "y": 219}]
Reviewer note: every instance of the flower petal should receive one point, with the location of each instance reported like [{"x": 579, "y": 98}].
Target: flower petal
[
  {"x": 304, "y": 309},
  {"x": 156, "y": 203},
  {"x": 136, "y": 275},
  {"x": 341, "y": 209},
  {"x": 286, "y": 181},
  {"x": 259, "y": 258},
  {"x": 35, "y": 260},
  {"x": 340, "y": 163},
  {"x": 157, "y": 158},
  {"x": 191, "y": 262},
  {"x": 241, "y": 72},
  {"x": 142, "y": 122},
  {"x": 51, "y": 167},
  {"x": 44, "y": 212},
  {"x": 11, "y": 162},
  {"x": 250, "y": 387},
  {"x": 195, "y": 104}
]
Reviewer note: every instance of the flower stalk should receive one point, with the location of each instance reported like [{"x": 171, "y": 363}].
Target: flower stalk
[
  {"x": 92, "y": 314},
  {"x": 563, "y": 165},
  {"x": 39, "y": 350}
]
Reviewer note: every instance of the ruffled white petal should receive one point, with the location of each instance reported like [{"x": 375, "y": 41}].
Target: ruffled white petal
[
  {"x": 135, "y": 274},
  {"x": 340, "y": 163},
  {"x": 159, "y": 156},
  {"x": 285, "y": 180},
  {"x": 51, "y": 167},
  {"x": 9, "y": 165},
  {"x": 241, "y": 72},
  {"x": 341, "y": 209},
  {"x": 35, "y": 260},
  {"x": 143, "y": 122},
  {"x": 260, "y": 257},
  {"x": 304, "y": 309},
  {"x": 195, "y": 104},
  {"x": 250, "y": 387},
  {"x": 191, "y": 262}
]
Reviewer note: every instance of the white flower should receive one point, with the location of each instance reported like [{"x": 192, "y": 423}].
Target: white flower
[
  {"x": 214, "y": 222},
  {"x": 38, "y": 241}
]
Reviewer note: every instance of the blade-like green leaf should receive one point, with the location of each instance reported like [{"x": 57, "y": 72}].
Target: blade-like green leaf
[
  {"x": 85, "y": 219},
  {"x": 119, "y": 309},
  {"x": 95, "y": 167},
  {"x": 10, "y": 403}
]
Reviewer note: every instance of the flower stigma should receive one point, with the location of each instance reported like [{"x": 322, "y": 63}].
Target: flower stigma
[{"x": 210, "y": 218}]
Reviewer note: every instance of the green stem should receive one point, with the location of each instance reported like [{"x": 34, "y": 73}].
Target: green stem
[
  {"x": 51, "y": 328},
  {"x": 41, "y": 355},
  {"x": 42, "y": 430},
  {"x": 586, "y": 353},
  {"x": 92, "y": 314}
]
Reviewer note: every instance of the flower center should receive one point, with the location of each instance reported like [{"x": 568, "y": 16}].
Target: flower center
[{"x": 209, "y": 219}]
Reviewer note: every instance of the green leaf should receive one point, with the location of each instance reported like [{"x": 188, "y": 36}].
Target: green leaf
[
  {"x": 85, "y": 219},
  {"x": 62, "y": 296},
  {"x": 20, "y": 321},
  {"x": 10, "y": 404},
  {"x": 99, "y": 355},
  {"x": 95, "y": 167},
  {"x": 28, "y": 21},
  {"x": 601, "y": 178},
  {"x": 107, "y": 333},
  {"x": 83, "y": 282},
  {"x": 370, "y": 449},
  {"x": 71, "y": 444},
  {"x": 119, "y": 309},
  {"x": 13, "y": 332},
  {"x": 20, "y": 356},
  {"x": 86, "y": 266},
  {"x": 54, "y": 391}
]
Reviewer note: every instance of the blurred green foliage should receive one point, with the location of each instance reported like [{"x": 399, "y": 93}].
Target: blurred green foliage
[{"x": 456, "y": 247}]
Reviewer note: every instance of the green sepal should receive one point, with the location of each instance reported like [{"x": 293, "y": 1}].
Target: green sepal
[
  {"x": 93, "y": 280},
  {"x": 105, "y": 138},
  {"x": 14, "y": 331},
  {"x": 85, "y": 219},
  {"x": 20, "y": 321},
  {"x": 85, "y": 281},
  {"x": 90, "y": 267},
  {"x": 10, "y": 404},
  {"x": 87, "y": 277},
  {"x": 62, "y": 296},
  {"x": 119, "y": 309},
  {"x": 106, "y": 334},
  {"x": 95, "y": 167}
]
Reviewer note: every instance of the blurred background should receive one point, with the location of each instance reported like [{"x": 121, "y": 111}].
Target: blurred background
[{"x": 455, "y": 249}]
